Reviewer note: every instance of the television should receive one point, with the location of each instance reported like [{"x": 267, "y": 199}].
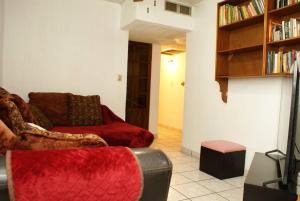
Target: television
[{"x": 288, "y": 158}]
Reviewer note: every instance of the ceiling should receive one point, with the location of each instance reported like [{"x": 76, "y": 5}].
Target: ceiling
[
  {"x": 189, "y": 2},
  {"x": 152, "y": 33}
]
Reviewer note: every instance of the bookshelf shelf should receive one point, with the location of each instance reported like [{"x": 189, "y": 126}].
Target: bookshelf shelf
[
  {"x": 287, "y": 10},
  {"x": 279, "y": 75},
  {"x": 241, "y": 49},
  {"x": 243, "y": 23},
  {"x": 244, "y": 47},
  {"x": 238, "y": 76},
  {"x": 291, "y": 41},
  {"x": 232, "y": 2}
]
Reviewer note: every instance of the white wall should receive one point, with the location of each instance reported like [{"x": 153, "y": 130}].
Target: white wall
[
  {"x": 66, "y": 45},
  {"x": 171, "y": 93},
  {"x": 1, "y": 37},
  {"x": 154, "y": 91},
  {"x": 251, "y": 116}
]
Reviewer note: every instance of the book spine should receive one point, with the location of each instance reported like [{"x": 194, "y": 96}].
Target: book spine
[
  {"x": 286, "y": 30},
  {"x": 253, "y": 9},
  {"x": 256, "y": 6},
  {"x": 294, "y": 27},
  {"x": 249, "y": 11},
  {"x": 275, "y": 62}
]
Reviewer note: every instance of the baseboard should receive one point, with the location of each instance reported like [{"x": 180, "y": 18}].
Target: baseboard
[
  {"x": 170, "y": 127},
  {"x": 190, "y": 152}
]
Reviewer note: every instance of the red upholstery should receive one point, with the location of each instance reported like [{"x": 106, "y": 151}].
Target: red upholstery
[
  {"x": 114, "y": 131},
  {"x": 86, "y": 174}
]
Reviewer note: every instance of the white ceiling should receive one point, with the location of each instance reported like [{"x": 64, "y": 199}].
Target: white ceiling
[
  {"x": 189, "y": 2},
  {"x": 152, "y": 33}
]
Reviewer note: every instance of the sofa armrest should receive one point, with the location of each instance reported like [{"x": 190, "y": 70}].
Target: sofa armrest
[
  {"x": 3, "y": 180},
  {"x": 157, "y": 171},
  {"x": 156, "y": 167},
  {"x": 108, "y": 116}
]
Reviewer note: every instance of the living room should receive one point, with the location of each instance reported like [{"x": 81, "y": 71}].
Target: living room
[{"x": 81, "y": 47}]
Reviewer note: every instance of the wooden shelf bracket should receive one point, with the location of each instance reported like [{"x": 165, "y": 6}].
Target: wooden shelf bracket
[{"x": 223, "y": 88}]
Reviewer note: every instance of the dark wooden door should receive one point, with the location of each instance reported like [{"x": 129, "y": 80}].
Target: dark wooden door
[{"x": 138, "y": 84}]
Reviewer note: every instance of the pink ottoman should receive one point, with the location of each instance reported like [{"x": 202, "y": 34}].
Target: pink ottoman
[{"x": 222, "y": 159}]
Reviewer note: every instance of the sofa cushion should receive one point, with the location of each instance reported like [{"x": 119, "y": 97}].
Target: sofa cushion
[
  {"x": 40, "y": 118},
  {"x": 85, "y": 110},
  {"x": 115, "y": 134},
  {"x": 23, "y": 108},
  {"x": 53, "y": 105}
]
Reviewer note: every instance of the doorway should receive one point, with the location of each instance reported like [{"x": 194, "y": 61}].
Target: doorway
[
  {"x": 138, "y": 84},
  {"x": 171, "y": 94}
]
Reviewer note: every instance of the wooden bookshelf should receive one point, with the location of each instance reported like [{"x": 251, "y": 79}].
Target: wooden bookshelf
[
  {"x": 288, "y": 42},
  {"x": 287, "y": 10},
  {"x": 243, "y": 23},
  {"x": 242, "y": 47}
]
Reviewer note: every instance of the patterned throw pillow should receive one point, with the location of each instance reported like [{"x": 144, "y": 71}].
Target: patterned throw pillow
[
  {"x": 85, "y": 110},
  {"x": 23, "y": 108},
  {"x": 13, "y": 118},
  {"x": 3, "y": 93},
  {"x": 7, "y": 138},
  {"x": 40, "y": 118}
]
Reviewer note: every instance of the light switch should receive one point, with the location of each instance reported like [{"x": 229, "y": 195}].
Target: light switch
[{"x": 120, "y": 78}]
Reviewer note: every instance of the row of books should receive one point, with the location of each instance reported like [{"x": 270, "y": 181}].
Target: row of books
[
  {"x": 230, "y": 14},
  {"x": 283, "y": 3},
  {"x": 286, "y": 29},
  {"x": 282, "y": 62}
]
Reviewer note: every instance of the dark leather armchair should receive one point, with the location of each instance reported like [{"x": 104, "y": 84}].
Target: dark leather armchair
[{"x": 157, "y": 171}]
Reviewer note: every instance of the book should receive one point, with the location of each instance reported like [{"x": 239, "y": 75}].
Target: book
[
  {"x": 282, "y": 62},
  {"x": 286, "y": 29},
  {"x": 233, "y": 13},
  {"x": 283, "y": 3}
]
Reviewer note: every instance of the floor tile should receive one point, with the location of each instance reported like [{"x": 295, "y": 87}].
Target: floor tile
[
  {"x": 233, "y": 195},
  {"x": 179, "y": 179},
  {"x": 211, "y": 197},
  {"x": 182, "y": 168},
  {"x": 216, "y": 185},
  {"x": 237, "y": 181},
  {"x": 192, "y": 190},
  {"x": 196, "y": 175},
  {"x": 175, "y": 196}
]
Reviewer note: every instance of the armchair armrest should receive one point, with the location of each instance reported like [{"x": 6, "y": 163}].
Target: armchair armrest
[{"x": 156, "y": 167}]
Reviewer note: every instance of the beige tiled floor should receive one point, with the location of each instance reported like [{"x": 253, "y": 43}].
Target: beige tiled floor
[{"x": 190, "y": 184}]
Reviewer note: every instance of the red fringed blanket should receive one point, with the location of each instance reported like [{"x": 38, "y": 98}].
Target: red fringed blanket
[{"x": 89, "y": 174}]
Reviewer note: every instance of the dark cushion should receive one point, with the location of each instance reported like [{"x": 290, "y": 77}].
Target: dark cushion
[
  {"x": 53, "y": 105},
  {"x": 23, "y": 108},
  {"x": 40, "y": 118},
  {"x": 85, "y": 110}
]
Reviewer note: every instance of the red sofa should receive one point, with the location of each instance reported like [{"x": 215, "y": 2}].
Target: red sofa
[
  {"x": 58, "y": 107},
  {"x": 114, "y": 131}
]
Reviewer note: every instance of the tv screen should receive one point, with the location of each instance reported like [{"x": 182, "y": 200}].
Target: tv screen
[
  {"x": 293, "y": 137},
  {"x": 289, "y": 126}
]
